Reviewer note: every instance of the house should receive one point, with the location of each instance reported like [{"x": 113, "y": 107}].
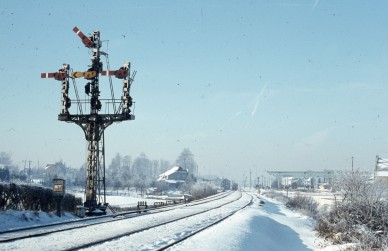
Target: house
[
  {"x": 381, "y": 171},
  {"x": 57, "y": 170},
  {"x": 174, "y": 177}
]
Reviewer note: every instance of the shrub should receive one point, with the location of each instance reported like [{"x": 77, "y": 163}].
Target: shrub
[
  {"x": 360, "y": 218},
  {"x": 24, "y": 197},
  {"x": 202, "y": 189},
  {"x": 304, "y": 203},
  {"x": 277, "y": 196}
]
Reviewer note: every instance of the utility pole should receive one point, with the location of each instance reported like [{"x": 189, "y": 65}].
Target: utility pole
[
  {"x": 27, "y": 172},
  {"x": 352, "y": 163},
  {"x": 24, "y": 169},
  {"x": 376, "y": 168},
  {"x": 250, "y": 179}
]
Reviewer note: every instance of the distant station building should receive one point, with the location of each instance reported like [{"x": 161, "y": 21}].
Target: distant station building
[
  {"x": 307, "y": 179},
  {"x": 174, "y": 177}
]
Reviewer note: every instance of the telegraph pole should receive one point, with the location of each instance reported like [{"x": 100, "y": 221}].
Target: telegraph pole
[
  {"x": 28, "y": 171},
  {"x": 250, "y": 179}
]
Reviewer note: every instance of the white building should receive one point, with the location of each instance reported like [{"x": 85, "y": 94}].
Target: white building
[{"x": 381, "y": 171}]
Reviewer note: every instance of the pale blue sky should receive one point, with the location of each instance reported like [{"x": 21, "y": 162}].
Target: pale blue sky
[{"x": 261, "y": 85}]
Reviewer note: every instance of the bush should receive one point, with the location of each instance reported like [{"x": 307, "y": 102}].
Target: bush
[
  {"x": 304, "y": 203},
  {"x": 202, "y": 189},
  {"x": 23, "y": 197},
  {"x": 363, "y": 224},
  {"x": 360, "y": 218},
  {"x": 277, "y": 196}
]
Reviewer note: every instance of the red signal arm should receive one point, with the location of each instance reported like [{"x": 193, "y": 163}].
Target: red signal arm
[
  {"x": 57, "y": 75},
  {"x": 121, "y": 73},
  {"x": 87, "y": 42}
]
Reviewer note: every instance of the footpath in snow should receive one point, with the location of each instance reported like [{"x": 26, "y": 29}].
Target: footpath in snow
[{"x": 271, "y": 226}]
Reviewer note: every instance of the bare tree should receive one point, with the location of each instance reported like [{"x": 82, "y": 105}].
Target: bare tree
[
  {"x": 125, "y": 171},
  {"x": 186, "y": 161},
  {"x": 164, "y": 166},
  {"x": 113, "y": 173},
  {"x": 5, "y": 158},
  {"x": 142, "y": 166}
]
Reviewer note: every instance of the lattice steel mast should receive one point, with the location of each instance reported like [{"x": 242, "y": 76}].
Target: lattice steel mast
[{"x": 93, "y": 123}]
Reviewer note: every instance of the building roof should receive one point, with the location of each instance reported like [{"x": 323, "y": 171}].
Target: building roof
[
  {"x": 57, "y": 167},
  {"x": 304, "y": 174},
  {"x": 173, "y": 170}
]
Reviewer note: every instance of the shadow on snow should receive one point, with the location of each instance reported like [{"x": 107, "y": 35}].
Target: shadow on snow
[{"x": 267, "y": 234}]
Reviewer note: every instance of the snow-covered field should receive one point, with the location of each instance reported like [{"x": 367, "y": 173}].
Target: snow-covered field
[
  {"x": 128, "y": 199},
  {"x": 268, "y": 227},
  {"x": 325, "y": 198}
]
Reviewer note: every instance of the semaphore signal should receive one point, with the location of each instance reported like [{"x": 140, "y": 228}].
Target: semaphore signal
[{"x": 87, "y": 114}]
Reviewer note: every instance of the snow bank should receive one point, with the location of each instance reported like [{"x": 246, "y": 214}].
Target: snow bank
[
  {"x": 11, "y": 219},
  {"x": 268, "y": 227}
]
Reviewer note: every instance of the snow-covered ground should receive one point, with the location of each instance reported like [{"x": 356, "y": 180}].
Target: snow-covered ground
[
  {"x": 126, "y": 199},
  {"x": 11, "y": 219},
  {"x": 325, "y": 198},
  {"x": 268, "y": 227}
]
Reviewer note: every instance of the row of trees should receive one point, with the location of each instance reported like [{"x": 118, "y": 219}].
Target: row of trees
[
  {"x": 5, "y": 158},
  {"x": 8, "y": 171},
  {"x": 142, "y": 172},
  {"x": 121, "y": 172}
]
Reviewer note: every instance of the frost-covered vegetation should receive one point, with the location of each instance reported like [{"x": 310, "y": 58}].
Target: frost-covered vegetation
[
  {"x": 202, "y": 189},
  {"x": 142, "y": 172},
  {"x": 138, "y": 176},
  {"x": 360, "y": 217},
  {"x": 306, "y": 204}
]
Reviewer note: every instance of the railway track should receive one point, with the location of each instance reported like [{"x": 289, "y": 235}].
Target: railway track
[
  {"x": 201, "y": 229},
  {"x": 101, "y": 218},
  {"x": 41, "y": 230},
  {"x": 135, "y": 240},
  {"x": 17, "y": 235}
]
